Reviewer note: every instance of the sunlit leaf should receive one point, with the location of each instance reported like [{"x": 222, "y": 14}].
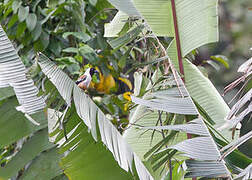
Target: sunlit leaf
[
  {"x": 246, "y": 173},
  {"x": 127, "y": 38},
  {"x": 23, "y": 13},
  {"x": 71, "y": 50},
  {"x": 202, "y": 90},
  {"x": 172, "y": 104},
  {"x": 80, "y": 35},
  {"x": 200, "y": 148},
  {"x": 113, "y": 28},
  {"x": 31, "y": 21},
  {"x": 205, "y": 169},
  {"x": 197, "y": 19},
  {"x": 15, "y": 6},
  {"x": 246, "y": 67},
  {"x": 13, "y": 73},
  {"x": 125, "y": 6},
  {"x": 93, "y": 117},
  {"x": 234, "y": 145},
  {"x": 193, "y": 127},
  {"x": 48, "y": 16},
  {"x": 158, "y": 15},
  {"x": 61, "y": 81}
]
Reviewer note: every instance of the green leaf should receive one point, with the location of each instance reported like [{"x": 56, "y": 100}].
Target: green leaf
[
  {"x": 6, "y": 93},
  {"x": 13, "y": 20},
  {"x": 38, "y": 46},
  {"x": 89, "y": 152},
  {"x": 45, "y": 39},
  {"x": 158, "y": 14},
  {"x": 21, "y": 29},
  {"x": 170, "y": 104},
  {"x": 45, "y": 166},
  {"x": 48, "y": 16},
  {"x": 246, "y": 173},
  {"x": 197, "y": 23},
  {"x": 202, "y": 91},
  {"x": 113, "y": 28},
  {"x": 80, "y": 35},
  {"x": 35, "y": 4},
  {"x": 123, "y": 59},
  {"x": 13, "y": 119},
  {"x": 236, "y": 158},
  {"x": 222, "y": 59},
  {"x": 127, "y": 38},
  {"x": 15, "y": 6},
  {"x": 204, "y": 114},
  {"x": 86, "y": 49},
  {"x": 55, "y": 47},
  {"x": 127, "y": 7},
  {"x": 66, "y": 60},
  {"x": 35, "y": 145},
  {"x": 102, "y": 130},
  {"x": 54, "y": 3},
  {"x": 70, "y": 50},
  {"x": 204, "y": 169},
  {"x": 23, "y": 13},
  {"x": 12, "y": 67},
  {"x": 61, "y": 177},
  {"x": 139, "y": 141},
  {"x": 235, "y": 144},
  {"x": 177, "y": 172},
  {"x": 31, "y": 21},
  {"x": 37, "y": 31},
  {"x": 93, "y": 2},
  {"x": 192, "y": 148},
  {"x": 197, "y": 19}
]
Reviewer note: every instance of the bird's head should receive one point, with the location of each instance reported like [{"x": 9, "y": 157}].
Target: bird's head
[
  {"x": 90, "y": 74},
  {"x": 93, "y": 71},
  {"x": 95, "y": 75}
]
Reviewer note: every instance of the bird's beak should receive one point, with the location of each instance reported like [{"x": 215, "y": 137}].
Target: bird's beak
[{"x": 79, "y": 81}]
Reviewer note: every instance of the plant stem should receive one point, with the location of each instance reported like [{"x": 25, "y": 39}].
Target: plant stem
[{"x": 181, "y": 68}]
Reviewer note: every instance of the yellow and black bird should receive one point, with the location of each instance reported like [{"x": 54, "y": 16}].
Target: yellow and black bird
[{"x": 106, "y": 84}]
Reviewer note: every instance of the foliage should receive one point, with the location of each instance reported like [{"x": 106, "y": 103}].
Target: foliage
[
  {"x": 93, "y": 119},
  {"x": 240, "y": 112},
  {"x": 70, "y": 32}
]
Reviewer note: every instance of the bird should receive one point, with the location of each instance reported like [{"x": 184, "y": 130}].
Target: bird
[
  {"x": 84, "y": 81},
  {"x": 106, "y": 84}
]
